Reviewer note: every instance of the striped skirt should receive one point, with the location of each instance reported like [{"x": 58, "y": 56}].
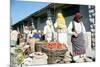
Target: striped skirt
[{"x": 78, "y": 45}]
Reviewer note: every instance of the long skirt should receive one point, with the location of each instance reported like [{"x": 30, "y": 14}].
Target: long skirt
[
  {"x": 78, "y": 45},
  {"x": 62, "y": 36}
]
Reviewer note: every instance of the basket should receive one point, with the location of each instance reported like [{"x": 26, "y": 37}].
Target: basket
[
  {"x": 53, "y": 54},
  {"x": 38, "y": 46}
]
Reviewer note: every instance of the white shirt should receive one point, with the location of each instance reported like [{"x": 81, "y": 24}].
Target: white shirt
[
  {"x": 14, "y": 35},
  {"x": 26, "y": 30},
  {"x": 47, "y": 29},
  {"x": 79, "y": 27}
]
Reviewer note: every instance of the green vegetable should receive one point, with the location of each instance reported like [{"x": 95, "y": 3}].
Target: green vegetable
[{"x": 19, "y": 59}]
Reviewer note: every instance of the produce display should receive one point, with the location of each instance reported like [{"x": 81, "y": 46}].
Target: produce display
[
  {"x": 19, "y": 59},
  {"x": 54, "y": 50},
  {"x": 21, "y": 54},
  {"x": 35, "y": 58},
  {"x": 55, "y": 45}
]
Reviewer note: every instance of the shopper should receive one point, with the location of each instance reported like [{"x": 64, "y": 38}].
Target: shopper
[
  {"x": 26, "y": 32},
  {"x": 21, "y": 40},
  {"x": 42, "y": 36},
  {"x": 36, "y": 35},
  {"x": 14, "y": 36}
]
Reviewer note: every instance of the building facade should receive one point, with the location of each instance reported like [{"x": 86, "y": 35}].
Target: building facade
[{"x": 38, "y": 19}]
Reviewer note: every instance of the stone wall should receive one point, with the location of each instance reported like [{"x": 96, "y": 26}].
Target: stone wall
[{"x": 92, "y": 25}]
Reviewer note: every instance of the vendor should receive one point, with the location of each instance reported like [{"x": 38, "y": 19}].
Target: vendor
[
  {"x": 36, "y": 35},
  {"x": 48, "y": 31},
  {"x": 77, "y": 29},
  {"x": 61, "y": 28}
]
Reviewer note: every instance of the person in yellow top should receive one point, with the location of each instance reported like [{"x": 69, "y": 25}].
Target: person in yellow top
[
  {"x": 60, "y": 21},
  {"x": 61, "y": 28}
]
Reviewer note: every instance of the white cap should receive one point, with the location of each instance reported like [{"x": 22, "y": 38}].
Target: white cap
[
  {"x": 34, "y": 31},
  {"x": 39, "y": 31}
]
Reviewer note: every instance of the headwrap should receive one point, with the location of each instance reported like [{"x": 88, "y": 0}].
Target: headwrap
[{"x": 77, "y": 17}]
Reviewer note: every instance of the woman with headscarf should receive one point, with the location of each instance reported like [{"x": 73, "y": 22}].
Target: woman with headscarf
[
  {"x": 61, "y": 28},
  {"x": 77, "y": 30}
]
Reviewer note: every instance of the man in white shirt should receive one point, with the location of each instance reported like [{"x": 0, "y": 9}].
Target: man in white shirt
[
  {"x": 14, "y": 36},
  {"x": 48, "y": 31}
]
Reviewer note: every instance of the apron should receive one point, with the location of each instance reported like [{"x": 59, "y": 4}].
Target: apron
[{"x": 78, "y": 45}]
